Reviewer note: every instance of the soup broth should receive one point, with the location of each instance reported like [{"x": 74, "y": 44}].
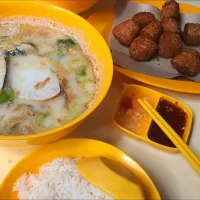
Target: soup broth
[{"x": 46, "y": 78}]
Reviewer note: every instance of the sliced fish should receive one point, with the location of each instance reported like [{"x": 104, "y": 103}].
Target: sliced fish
[
  {"x": 34, "y": 84},
  {"x": 2, "y": 71}
]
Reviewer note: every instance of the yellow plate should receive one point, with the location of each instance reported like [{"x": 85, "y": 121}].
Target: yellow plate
[
  {"x": 76, "y": 148},
  {"x": 103, "y": 20},
  {"x": 144, "y": 121},
  {"x": 74, "y": 5},
  {"x": 84, "y": 31}
]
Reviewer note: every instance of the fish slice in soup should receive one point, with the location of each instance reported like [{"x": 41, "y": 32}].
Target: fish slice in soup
[{"x": 34, "y": 84}]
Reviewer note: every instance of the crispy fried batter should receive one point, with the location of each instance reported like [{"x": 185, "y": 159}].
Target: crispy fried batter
[
  {"x": 153, "y": 30},
  {"x": 192, "y": 34},
  {"x": 63, "y": 85},
  {"x": 143, "y": 18},
  {"x": 142, "y": 49},
  {"x": 126, "y": 32},
  {"x": 170, "y": 9},
  {"x": 187, "y": 62},
  {"x": 169, "y": 45},
  {"x": 40, "y": 85},
  {"x": 171, "y": 25}
]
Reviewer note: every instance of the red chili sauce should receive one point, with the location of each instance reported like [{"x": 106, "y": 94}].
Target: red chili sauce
[{"x": 175, "y": 116}]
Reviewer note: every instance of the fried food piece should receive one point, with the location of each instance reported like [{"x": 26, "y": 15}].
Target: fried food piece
[
  {"x": 143, "y": 18},
  {"x": 169, "y": 45},
  {"x": 142, "y": 49},
  {"x": 152, "y": 31},
  {"x": 171, "y": 25},
  {"x": 170, "y": 9},
  {"x": 191, "y": 34},
  {"x": 126, "y": 32},
  {"x": 187, "y": 62}
]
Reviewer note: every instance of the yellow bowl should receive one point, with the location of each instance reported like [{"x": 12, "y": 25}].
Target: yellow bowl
[
  {"x": 74, "y": 5},
  {"x": 76, "y": 148},
  {"x": 83, "y": 30}
]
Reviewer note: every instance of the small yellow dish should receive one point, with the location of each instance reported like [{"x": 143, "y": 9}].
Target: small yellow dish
[
  {"x": 84, "y": 31},
  {"x": 140, "y": 120},
  {"x": 76, "y": 148},
  {"x": 103, "y": 20}
]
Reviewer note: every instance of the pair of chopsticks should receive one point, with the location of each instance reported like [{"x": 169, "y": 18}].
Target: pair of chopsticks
[{"x": 172, "y": 135}]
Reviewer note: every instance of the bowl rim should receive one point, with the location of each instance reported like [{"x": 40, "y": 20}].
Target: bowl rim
[{"x": 96, "y": 102}]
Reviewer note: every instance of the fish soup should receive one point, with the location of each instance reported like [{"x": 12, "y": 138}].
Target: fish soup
[{"x": 46, "y": 77}]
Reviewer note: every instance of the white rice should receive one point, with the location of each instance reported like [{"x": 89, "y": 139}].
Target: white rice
[{"x": 59, "y": 179}]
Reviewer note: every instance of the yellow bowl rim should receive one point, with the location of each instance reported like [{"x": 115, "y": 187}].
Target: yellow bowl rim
[{"x": 96, "y": 102}]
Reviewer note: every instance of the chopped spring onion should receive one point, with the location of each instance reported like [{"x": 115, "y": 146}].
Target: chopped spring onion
[
  {"x": 63, "y": 44},
  {"x": 15, "y": 127},
  {"x": 67, "y": 43},
  {"x": 81, "y": 70},
  {"x": 7, "y": 95},
  {"x": 3, "y": 38},
  {"x": 40, "y": 117}
]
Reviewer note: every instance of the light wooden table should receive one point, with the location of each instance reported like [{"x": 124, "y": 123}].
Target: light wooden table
[{"x": 173, "y": 176}]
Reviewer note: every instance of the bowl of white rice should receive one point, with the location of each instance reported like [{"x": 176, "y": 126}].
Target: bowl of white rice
[{"x": 51, "y": 172}]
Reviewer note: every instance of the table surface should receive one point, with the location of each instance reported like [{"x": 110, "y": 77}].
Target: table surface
[{"x": 172, "y": 174}]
